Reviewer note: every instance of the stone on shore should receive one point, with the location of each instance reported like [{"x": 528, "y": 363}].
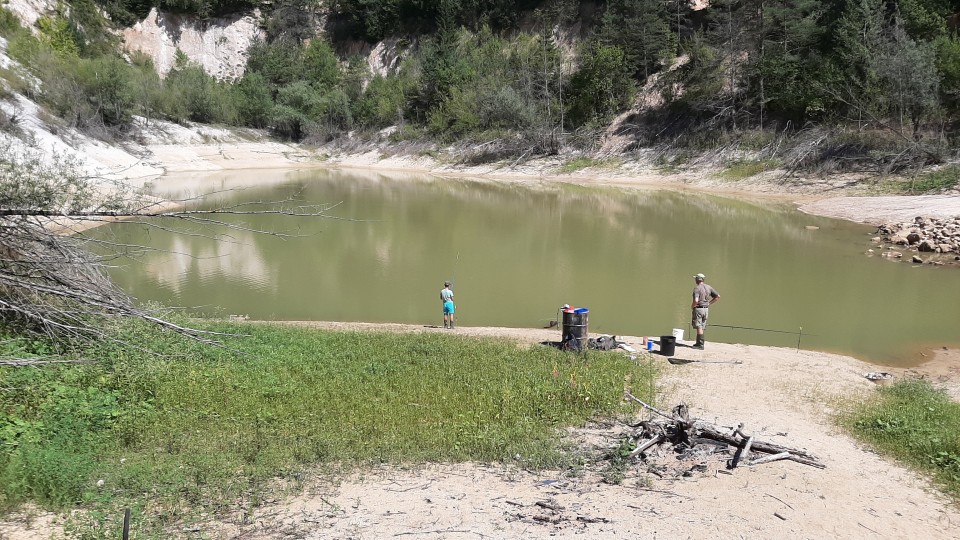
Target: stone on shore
[{"x": 923, "y": 235}]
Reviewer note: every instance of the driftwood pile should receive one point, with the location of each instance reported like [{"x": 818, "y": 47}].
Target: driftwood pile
[{"x": 686, "y": 439}]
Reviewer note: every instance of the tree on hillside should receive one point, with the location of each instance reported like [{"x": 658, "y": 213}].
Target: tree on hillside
[
  {"x": 601, "y": 87},
  {"x": 859, "y": 36},
  {"x": 374, "y": 20},
  {"x": 925, "y": 19},
  {"x": 948, "y": 66},
  {"x": 51, "y": 282},
  {"x": 305, "y": 84},
  {"x": 908, "y": 73},
  {"x": 292, "y": 20},
  {"x": 641, "y": 28},
  {"x": 892, "y": 80},
  {"x": 787, "y": 67}
]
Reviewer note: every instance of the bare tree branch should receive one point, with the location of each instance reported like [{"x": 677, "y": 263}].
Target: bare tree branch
[{"x": 52, "y": 285}]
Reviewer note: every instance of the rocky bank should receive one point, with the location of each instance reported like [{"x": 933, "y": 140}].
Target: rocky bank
[{"x": 938, "y": 238}]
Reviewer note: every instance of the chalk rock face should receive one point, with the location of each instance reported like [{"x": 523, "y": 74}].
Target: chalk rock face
[
  {"x": 28, "y": 11},
  {"x": 219, "y": 45}
]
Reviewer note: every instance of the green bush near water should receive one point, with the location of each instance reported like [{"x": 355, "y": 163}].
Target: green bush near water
[
  {"x": 202, "y": 426},
  {"x": 917, "y": 424},
  {"x": 936, "y": 181}
]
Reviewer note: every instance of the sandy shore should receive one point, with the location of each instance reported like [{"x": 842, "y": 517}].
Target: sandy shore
[{"x": 829, "y": 197}]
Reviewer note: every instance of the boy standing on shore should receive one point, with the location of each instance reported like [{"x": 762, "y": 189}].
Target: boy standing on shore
[{"x": 446, "y": 296}]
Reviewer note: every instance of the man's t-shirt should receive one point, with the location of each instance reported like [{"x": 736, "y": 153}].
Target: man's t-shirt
[
  {"x": 702, "y": 294},
  {"x": 446, "y": 295}
]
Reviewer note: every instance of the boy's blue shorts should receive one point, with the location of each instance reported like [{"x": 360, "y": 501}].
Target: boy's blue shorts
[{"x": 448, "y": 308}]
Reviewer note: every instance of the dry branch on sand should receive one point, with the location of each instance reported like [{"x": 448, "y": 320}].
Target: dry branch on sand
[{"x": 697, "y": 439}]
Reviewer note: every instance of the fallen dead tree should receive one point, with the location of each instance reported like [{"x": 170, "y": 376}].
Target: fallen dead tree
[{"x": 697, "y": 439}]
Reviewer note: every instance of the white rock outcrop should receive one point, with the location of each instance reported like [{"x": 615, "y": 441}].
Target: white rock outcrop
[
  {"x": 219, "y": 45},
  {"x": 28, "y": 11}
]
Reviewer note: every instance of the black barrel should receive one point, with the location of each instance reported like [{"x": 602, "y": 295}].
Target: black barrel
[
  {"x": 575, "y": 324},
  {"x": 668, "y": 345}
]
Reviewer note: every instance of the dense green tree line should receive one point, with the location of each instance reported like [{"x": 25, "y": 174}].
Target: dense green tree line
[
  {"x": 373, "y": 20},
  {"x": 468, "y": 70}
]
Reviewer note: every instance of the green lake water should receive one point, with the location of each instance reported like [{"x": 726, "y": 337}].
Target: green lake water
[{"x": 515, "y": 253}]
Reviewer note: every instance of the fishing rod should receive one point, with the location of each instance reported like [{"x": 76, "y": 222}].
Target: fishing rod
[
  {"x": 757, "y": 329},
  {"x": 453, "y": 277},
  {"x": 798, "y": 334}
]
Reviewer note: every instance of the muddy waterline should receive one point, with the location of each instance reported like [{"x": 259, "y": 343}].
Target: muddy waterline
[{"x": 515, "y": 253}]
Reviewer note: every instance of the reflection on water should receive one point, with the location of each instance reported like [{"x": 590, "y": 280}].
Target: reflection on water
[
  {"x": 236, "y": 258},
  {"x": 515, "y": 253}
]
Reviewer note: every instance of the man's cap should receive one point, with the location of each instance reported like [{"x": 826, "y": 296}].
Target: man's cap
[
  {"x": 700, "y": 276},
  {"x": 446, "y": 283}
]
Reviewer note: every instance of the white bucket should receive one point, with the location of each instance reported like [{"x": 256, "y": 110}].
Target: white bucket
[{"x": 678, "y": 333}]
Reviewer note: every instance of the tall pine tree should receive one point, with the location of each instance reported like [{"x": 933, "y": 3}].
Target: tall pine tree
[{"x": 641, "y": 29}]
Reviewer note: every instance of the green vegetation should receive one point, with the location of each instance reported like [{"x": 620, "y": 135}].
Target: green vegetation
[
  {"x": 880, "y": 80},
  {"x": 618, "y": 462},
  {"x": 917, "y": 424},
  {"x": 739, "y": 170},
  {"x": 930, "y": 182},
  {"x": 478, "y": 72},
  {"x": 202, "y": 427},
  {"x": 578, "y": 164},
  {"x": 87, "y": 83},
  {"x": 936, "y": 181},
  {"x": 375, "y": 20},
  {"x": 670, "y": 163}
]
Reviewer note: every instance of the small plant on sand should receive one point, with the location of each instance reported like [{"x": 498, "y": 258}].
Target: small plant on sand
[
  {"x": 617, "y": 460},
  {"x": 672, "y": 163},
  {"x": 915, "y": 423},
  {"x": 578, "y": 164},
  {"x": 739, "y": 170}
]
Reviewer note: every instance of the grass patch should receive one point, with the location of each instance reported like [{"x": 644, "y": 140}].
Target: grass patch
[
  {"x": 16, "y": 82},
  {"x": 578, "y": 164},
  {"x": 407, "y": 132},
  {"x": 916, "y": 424},
  {"x": 431, "y": 153},
  {"x": 202, "y": 427},
  {"x": 940, "y": 180},
  {"x": 674, "y": 162},
  {"x": 739, "y": 170},
  {"x": 9, "y": 23}
]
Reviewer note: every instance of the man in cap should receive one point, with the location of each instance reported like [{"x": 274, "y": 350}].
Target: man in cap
[
  {"x": 703, "y": 296},
  {"x": 446, "y": 296}
]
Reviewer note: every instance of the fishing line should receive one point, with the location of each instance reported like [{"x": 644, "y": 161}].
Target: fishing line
[
  {"x": 798, "y": 334},
  {"x": 758, "y": 329}
]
